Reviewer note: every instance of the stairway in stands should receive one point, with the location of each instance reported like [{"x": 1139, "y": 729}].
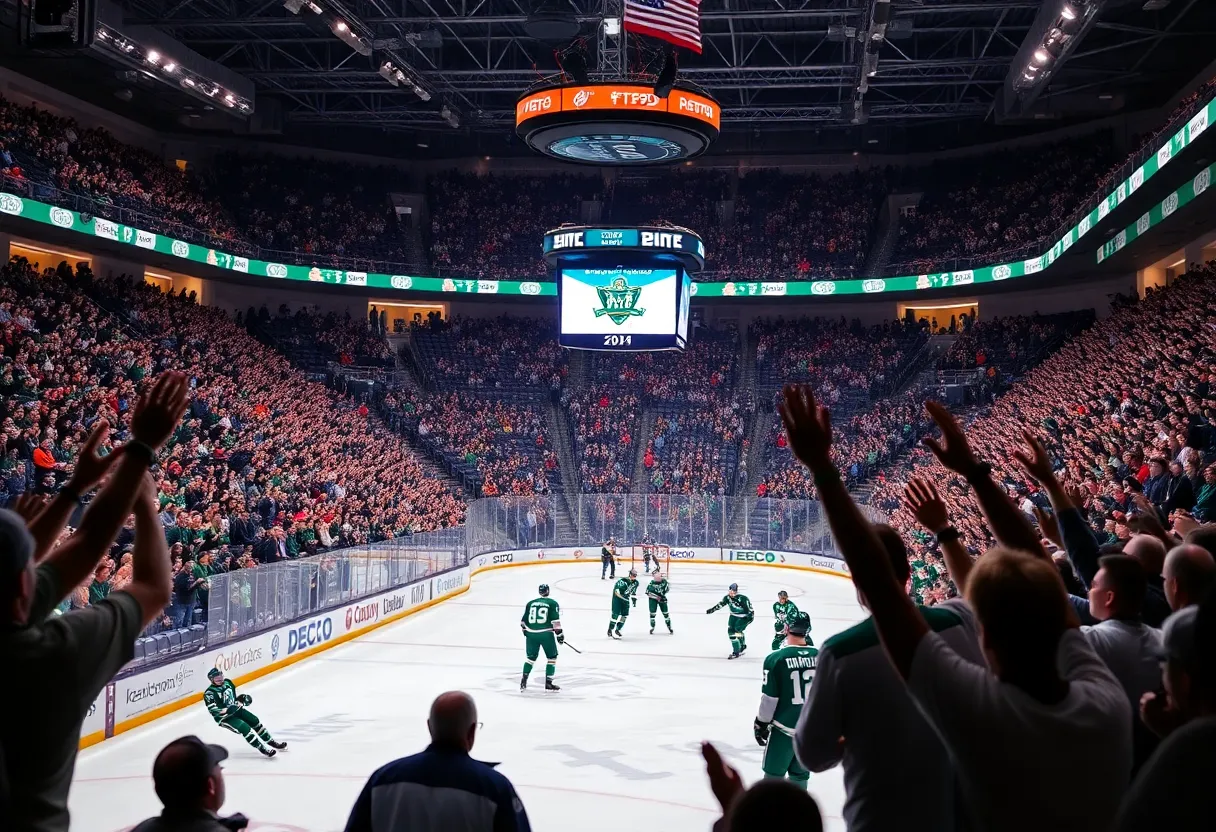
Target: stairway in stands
[{"x": 559, "y": 439}]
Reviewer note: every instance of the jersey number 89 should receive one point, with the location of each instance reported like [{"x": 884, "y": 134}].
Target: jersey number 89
[{"x": 538, "y": 614}]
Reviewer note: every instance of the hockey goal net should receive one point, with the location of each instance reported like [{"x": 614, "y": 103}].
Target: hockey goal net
[{"x": 652, "y": 555}]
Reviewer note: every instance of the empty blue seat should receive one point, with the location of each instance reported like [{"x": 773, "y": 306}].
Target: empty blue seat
[
  {"x": 162, "y": 643},
  {"x": 175, "y": 640}
]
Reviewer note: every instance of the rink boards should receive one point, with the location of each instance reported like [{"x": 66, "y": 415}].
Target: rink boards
[{"x": 132, "y": 701}]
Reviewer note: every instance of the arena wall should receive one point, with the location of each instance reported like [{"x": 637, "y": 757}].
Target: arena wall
[{"x": 136, "y": 700}]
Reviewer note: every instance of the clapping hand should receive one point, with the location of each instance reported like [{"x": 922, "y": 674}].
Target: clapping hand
[
  {"x": 158, "y": 412},
  {"x": 724, "y": 781},
  {"x": 90, "y": 466}
]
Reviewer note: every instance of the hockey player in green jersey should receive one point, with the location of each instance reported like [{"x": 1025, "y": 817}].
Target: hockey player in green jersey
[
  {"x": 542, "y": 628},
  {"x": 784, "y": 611},
  {"x": 624, "y": 592},
  {"x": 656, "y": 592},
  {"x": 228, "y": 710},
  {"x": 788, "y": 673},
  {"x": 741, "y": 614}
]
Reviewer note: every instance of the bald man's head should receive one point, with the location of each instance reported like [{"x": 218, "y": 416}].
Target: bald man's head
[
  {"x": 1148, "y": 550},
  {"x": 453, "y": 720},
  {"x": 1189, "y": 572}
]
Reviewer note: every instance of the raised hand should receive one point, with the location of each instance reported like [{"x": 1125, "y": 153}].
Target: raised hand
[
  {"x": 808, "y": 426},
  {"x": 1035, "y": 460},
  {"x": 952, "y": 451},
  {"x": 921, "y": 498},
  {"x": 724, "y": 781},
  {"x": 158, "y": 412},
  {"x": 1049, "y": 528},
  {"x": 29, "y": 505},
  {"x": 90, "y": 466}
]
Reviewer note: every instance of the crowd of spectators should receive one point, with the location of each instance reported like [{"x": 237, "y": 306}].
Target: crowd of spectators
[
  {"x": 265, "y": 466},
  {"x": 1118, "y": 439},
  {"x": 604, "y": 426},
  {"x": 999, "y": 203},
  {"x": 798, "y": 227},
  {"x": 310, "y": 207},
  {"x": 490, "y": 353},
  {"x": 696, "y": 450},
  {"x": 309, "y": 336},
  {"x": 492, "y": 226}
]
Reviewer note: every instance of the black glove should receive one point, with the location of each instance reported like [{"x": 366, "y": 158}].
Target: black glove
[
  {"x": 635, "y": 600},
  {"x": 709, "y": 612},
  {"x": 245, "y": 699},
  {"x": 761, "y": 730},
  {"x": 561, "y": 637}
]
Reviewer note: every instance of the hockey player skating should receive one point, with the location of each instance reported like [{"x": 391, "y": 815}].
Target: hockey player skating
[
  {"x": 542, "y": 628},
  {"x": 656, "y": 593},
  {"x": 229, "y": 711},
  {"x": 741, "y": 614},
  {"x": 788, "y": 673},
  {"x": 608, "y": 559},
  {"x": 784, "y": 611},
  {"x": 624, "y": 593}
]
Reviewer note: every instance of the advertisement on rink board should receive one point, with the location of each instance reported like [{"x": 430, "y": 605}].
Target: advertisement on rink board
[
  {"x": 569, "y": 554},
  {"x": 143, "y": 695}
]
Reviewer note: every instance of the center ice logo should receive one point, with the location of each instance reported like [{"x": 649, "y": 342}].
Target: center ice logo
[{"x": 620, "y": 301}]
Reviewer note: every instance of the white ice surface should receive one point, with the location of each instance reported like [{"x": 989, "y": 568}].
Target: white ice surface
[{"x": 616, "y": 749}]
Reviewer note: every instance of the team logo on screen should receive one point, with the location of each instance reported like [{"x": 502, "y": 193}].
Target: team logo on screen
[{"x": 620, "y": 301}]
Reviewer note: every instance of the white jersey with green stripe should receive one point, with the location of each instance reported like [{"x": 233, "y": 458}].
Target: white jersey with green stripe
[{"x": 541, "y": 615}]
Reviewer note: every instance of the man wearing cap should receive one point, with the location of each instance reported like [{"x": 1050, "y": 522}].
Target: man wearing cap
[
  {"x": 190, "y": 784},
  {"x": 71, "y": 657}
]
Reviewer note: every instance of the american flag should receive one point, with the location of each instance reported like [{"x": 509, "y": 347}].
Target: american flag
[{"x": 675, "y": 21}]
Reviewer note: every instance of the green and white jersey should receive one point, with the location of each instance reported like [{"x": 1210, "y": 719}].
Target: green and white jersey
[
  {"x": 740, "y": 606},
  {"x": 218, "y": 698},
  {"x": 540, "y": 615},
  {"x": 788, "y": 674},
  {"x": 784, "y": 613},
  {"x": 625, "y": 588},
  {"x": 658, "y": 589}
]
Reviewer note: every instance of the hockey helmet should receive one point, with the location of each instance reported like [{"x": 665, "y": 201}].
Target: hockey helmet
[
  {"x": 799, "y": 625},
  {"x": 733, "y": 587},
  {"x": 214, "y": 672},
  {"x": 633, "y": 573},
  {"x": 658, "y": 573},
  {"x": 544, "y": 590},
  {"x": 783, "y": 594}
]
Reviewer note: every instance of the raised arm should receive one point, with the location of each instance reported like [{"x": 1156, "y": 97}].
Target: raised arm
[
  {"x": 153, "y": 421},
  {"x": 1010, "y": 526},
  {"x": 921, "y": 498},
  {"x": 900, "y": 626},
  {"x": 151, "y": 583}
]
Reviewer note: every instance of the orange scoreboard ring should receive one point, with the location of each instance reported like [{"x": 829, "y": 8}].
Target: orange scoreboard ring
[{"x": 617, "y": 124}]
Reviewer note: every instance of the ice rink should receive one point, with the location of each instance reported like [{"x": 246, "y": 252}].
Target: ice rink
[{"x": 616, "y": 749}]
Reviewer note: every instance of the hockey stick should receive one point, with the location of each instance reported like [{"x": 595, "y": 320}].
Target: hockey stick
[{"x": 572, "y": 647}]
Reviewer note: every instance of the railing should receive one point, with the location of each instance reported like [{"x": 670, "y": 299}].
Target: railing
[
  {"x": 677, "y": 520},
  {"x": 248, "y": 601}
]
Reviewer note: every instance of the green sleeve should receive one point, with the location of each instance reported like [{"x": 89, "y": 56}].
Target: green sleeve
[
  {"x": 557, "y": 613},
  {"x": 718, "y": 605}
]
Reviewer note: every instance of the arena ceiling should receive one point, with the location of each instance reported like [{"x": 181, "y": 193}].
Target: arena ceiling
[{"x": 788, "y": 73}]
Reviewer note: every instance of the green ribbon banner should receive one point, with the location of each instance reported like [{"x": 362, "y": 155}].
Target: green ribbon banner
[{"x": 30, "y": 209}]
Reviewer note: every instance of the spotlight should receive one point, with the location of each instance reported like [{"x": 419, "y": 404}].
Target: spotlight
[
  {"x": 1041, "y": 56},
  {"x": 1068, "y": 13},
  {"x": 153, "y": 56},
  {"x": 667, "y": 76},
  {"x": 341, "y": 26},
  {"x": 170, "y": 67},
  {"x": 612, "y": 26}
]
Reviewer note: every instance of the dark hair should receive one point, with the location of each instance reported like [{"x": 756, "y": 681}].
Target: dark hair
[
  {"x": 1126, "y": 577},
  {"x": 1204, "y": 536},
  {"x": 896, "y": 551},
  {"x": 757, "y": 808}
]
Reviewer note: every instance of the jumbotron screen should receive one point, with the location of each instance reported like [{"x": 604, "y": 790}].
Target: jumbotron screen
[{"x": 624, "y": 309}]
